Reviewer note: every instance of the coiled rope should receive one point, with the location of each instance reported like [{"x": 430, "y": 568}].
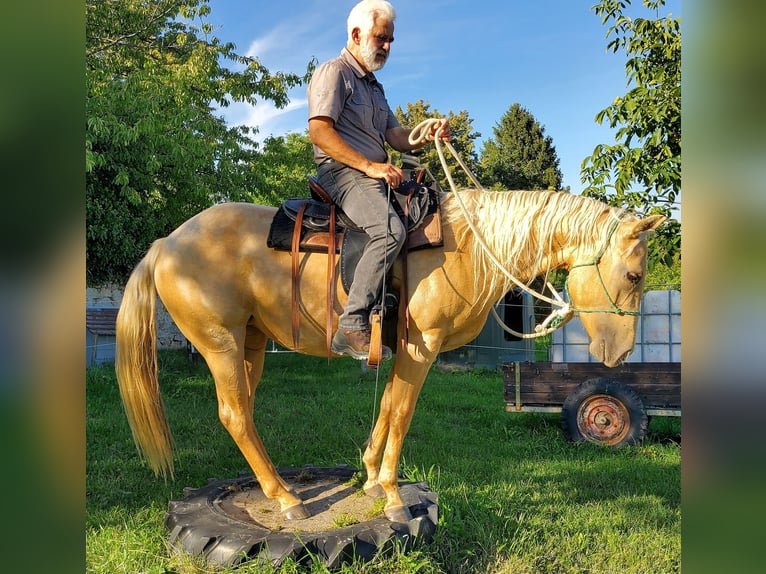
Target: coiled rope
[{"x": 562, "y": 313}]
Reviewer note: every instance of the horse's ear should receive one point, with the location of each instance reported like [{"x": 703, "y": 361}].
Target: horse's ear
[{"x": 644, "y": 226}]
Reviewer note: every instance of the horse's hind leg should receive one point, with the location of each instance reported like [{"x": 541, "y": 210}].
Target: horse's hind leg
[
  {"x": 236, "y": 371},
  {"x": 255, "y": 354}
]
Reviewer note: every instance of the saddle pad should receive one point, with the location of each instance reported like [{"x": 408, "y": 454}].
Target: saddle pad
[
  {"x": 316, "y": 215},
  {"x": 314, "y": 232},
  {"x": 281, "y": 235}
]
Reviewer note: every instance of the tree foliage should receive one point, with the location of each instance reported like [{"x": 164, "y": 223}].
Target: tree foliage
[
  {"x": 285, "y": 163},
  {"x": 155, "y": 150},
  {"x": 642, "y": 169},
  {"x": 647, "y": 150},
  {"x": 463, "y": 136},
  {"x": 520, "y": 156}
]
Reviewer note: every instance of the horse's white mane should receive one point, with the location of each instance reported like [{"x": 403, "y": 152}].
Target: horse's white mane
[{"x": 520, "y": 228}]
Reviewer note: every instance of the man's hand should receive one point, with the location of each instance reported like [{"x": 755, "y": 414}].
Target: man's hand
[
  {"x": 389, "y": 173},
  {"x": 434, "y": 128}
]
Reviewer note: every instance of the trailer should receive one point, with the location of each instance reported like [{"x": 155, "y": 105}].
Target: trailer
[
  {"x": 605, "y": 405},
  {"x": 598, "y": 404}
]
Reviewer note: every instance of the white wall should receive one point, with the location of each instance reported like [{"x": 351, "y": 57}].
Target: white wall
[{"x": 168, "y": 335}]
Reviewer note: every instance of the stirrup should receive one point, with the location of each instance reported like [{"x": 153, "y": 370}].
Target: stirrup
[{"x": 376, "y": 337}]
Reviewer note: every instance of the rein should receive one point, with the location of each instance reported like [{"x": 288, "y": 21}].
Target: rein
[{"x": 563, "y": 312}]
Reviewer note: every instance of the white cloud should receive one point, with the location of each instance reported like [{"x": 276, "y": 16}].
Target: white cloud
[
  {"x": 291, "y": 44},
  {"x": 262, "y": 46},
  {"x": 288, "y": 47},
  {"x": 268, "y": 119}
]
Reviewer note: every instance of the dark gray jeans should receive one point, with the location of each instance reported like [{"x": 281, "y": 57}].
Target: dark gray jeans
[{"x": 364, "y": 201}]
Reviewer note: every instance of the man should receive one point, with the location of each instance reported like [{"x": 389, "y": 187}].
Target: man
[{"x": 349, "y": 121}]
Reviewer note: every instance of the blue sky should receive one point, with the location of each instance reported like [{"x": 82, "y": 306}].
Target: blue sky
[{"x": 482, "y": 56}]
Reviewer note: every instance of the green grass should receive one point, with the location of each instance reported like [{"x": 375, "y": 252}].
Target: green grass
[{"x": 514, "y": 495}]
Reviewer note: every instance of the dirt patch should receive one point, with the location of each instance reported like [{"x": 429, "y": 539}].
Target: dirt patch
[{"x": 332, "y": 504}]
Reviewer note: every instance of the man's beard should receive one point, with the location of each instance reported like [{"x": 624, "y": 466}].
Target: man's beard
[{"x": 370, "y": 56}]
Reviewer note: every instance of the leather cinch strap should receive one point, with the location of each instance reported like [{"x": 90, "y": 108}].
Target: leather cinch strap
[
  {"x": 405, "y": 248},
  {"x": 319, "y": 192},
  {"x": 296, "y": 317},
  {"x": 331, "y": 281}
]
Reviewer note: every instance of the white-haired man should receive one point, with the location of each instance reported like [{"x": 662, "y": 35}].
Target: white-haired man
[{"x": 349, "y": 122}]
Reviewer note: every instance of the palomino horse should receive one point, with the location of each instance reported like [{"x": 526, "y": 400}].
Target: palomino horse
[{"x": 226, "y": 291}]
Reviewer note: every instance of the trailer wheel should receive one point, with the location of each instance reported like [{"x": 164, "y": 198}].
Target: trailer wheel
[{"x": 604, "y": 411}]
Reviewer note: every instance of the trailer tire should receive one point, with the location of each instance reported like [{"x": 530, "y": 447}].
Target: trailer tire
[{"x": 604, "y": 411}]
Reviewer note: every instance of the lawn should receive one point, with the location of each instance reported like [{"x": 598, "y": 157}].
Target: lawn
[{"x": 514, "y": 495}]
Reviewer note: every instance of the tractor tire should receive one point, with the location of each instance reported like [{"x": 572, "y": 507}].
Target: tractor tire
[{"x": 211, "y": 522}]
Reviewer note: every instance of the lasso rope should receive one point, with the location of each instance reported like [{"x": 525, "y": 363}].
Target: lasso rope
[{"x": 563, "y": 313}]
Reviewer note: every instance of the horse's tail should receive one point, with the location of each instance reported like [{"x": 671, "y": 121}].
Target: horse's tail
[{"x": 136, "y": 366}]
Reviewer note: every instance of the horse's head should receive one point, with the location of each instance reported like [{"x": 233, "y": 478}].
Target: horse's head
[{"x": 607, "y": 290}]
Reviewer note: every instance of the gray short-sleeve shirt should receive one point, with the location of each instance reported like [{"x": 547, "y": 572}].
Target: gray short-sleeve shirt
[{"x": 339, "y": 89}]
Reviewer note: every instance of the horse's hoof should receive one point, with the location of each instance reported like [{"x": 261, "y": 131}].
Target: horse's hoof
[
  {"x": 398, "y": 514},
  {"x": 296, "y": 512},
  {"x": 375, "y": 491}
]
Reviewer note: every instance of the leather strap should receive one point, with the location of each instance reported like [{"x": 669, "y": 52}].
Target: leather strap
[
  {"x": 331, "y": 280},
  {"x": 319, "y": 192},
  {"x": 295, "y": 307},
  {"x": 405, "y": 300}
]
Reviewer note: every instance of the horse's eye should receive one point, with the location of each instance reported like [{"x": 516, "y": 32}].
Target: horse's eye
[{"x": 634, "y": 277}]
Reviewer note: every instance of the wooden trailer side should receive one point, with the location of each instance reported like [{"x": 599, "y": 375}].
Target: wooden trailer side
[{"x": 544, "y": 386}]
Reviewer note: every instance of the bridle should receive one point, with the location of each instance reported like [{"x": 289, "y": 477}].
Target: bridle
[{"x": 615, "y": 308}]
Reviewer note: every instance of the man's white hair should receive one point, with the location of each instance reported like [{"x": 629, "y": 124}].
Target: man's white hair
[{"x": 363, "y": 15}]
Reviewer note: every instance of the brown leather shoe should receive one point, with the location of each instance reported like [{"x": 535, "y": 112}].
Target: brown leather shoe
[{"x": 355, "y": 344}]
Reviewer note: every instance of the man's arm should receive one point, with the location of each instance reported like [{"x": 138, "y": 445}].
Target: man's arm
[
  {"x": 323, "y": 134},
  {"x": 398, "y": 138}
]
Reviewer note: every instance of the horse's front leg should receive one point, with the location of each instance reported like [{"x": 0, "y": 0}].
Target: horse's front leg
[
  {"x": 402, "y": 396},
  {"x": 374, "y": 450}
]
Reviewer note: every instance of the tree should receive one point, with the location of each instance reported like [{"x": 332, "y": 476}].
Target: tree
[
  {"x": 463, "y": 135},
  {"x": 520, "y": 156},
  {"x": 647, "y": 150},
  {"x": 155, "y": 150},
  {"x": 642, "y": 169},
  {"x": 285, "y": 163}
]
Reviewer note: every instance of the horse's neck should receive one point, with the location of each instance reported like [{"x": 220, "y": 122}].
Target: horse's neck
[
  {"x": 555, "y": 248},
  {"x": 555, "y": 259}
]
